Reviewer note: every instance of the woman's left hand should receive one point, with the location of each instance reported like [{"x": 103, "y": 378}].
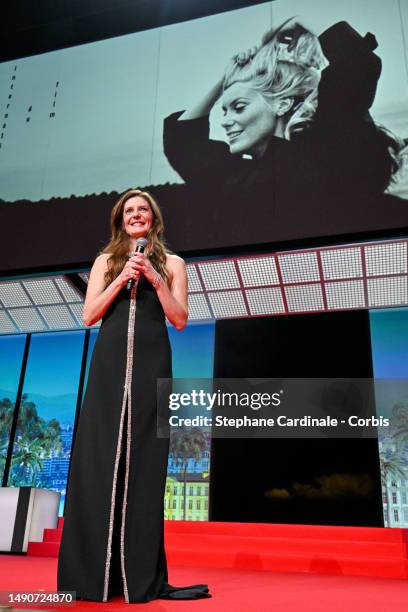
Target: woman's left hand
[{"x": 144, "y": 266}]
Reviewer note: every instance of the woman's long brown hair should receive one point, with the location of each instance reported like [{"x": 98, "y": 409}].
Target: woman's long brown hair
[{"x": 119, "y": 244}]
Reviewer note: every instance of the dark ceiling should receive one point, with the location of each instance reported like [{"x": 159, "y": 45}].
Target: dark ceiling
[{"x": 29, "y": 27}]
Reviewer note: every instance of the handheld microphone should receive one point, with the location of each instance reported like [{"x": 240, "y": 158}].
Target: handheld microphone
[{"x": 141, "y": 244}]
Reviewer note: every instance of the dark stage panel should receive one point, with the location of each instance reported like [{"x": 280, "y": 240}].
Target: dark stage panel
[{"x": 304, "y": 481}]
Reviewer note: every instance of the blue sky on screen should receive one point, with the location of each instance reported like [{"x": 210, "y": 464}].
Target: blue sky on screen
[
  {"x": 193, "y": 351},
  {"x": 389, "y": 340},
  {"x": 11, "y": 355},
  {"x": 54, "y": 363}
]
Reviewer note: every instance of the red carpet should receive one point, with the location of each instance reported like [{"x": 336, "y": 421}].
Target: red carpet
[
  {"x": 232, "y": 590},
  {"x": 351, "y": 551},
  {"x": 333, "y": 569}
]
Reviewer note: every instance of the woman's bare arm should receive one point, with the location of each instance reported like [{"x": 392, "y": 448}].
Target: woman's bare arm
[
  {"x": 174, "y": 299},
  {"x": 203, "y": 106},
  {"x": 98, "y": 298}
]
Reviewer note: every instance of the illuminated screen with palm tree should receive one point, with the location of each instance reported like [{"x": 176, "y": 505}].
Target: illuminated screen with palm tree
[
  {"x": 389, "y": 339},
  {"x": 43, "y": 439},
  {"x": 41, "y": 446},
  {"x": 188, "y": 472}
]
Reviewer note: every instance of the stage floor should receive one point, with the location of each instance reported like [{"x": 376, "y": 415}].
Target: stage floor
[{"x": 233, "y": 590}]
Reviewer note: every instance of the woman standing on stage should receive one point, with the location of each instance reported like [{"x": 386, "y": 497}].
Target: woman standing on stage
[{"x": 112, "y": 541}]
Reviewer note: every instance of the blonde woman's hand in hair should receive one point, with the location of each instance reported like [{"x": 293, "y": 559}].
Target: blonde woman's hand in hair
[
  {"x": 205, "y": 104},
  {"x": 243, "y": 57}
]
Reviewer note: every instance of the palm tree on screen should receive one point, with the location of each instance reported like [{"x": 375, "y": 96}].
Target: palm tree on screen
[{"x": 184, "y": 445}]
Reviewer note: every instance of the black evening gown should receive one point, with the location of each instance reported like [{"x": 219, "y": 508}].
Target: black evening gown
[{"x": 112, "y": 541}]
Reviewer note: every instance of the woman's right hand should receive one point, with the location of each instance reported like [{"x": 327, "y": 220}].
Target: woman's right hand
[
  {"x": 129, "y": 272},
  {"x": 243, "y": 57}
]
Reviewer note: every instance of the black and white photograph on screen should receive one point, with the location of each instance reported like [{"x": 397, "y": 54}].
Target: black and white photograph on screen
[
  {"x": 276, "y": 122},
  {"x": 296, "y": 119},
  {"x": 298, "y": 125}
]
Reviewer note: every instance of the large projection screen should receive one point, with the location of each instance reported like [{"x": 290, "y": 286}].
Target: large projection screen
[{"x": 262, "y": 163}]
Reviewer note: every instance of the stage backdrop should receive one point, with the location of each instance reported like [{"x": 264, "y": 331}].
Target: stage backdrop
[
  {"x": 42, "y": 448},
  {"x": 245, "y": 166}
]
